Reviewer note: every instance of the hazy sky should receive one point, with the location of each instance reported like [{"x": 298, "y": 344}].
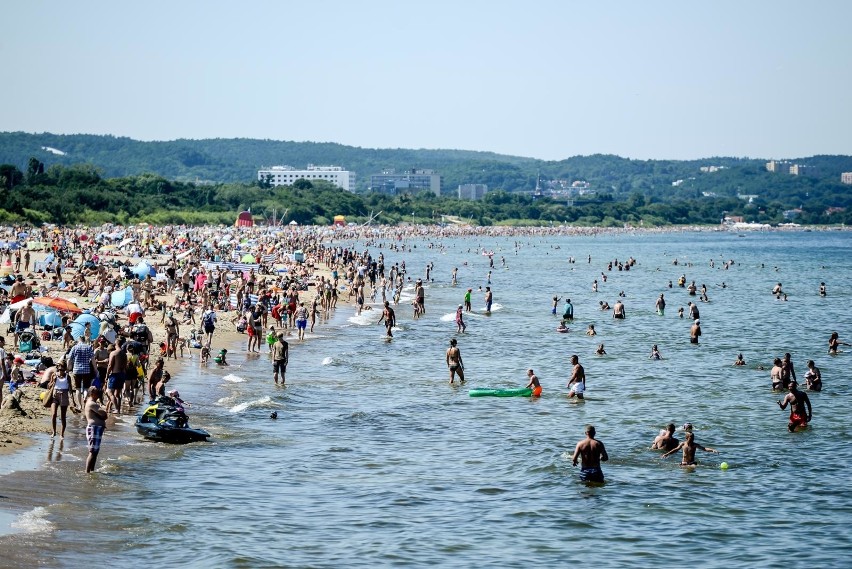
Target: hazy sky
[{"x": 546, "y": 79}]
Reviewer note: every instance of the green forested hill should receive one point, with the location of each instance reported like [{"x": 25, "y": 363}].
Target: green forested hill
[{"x": 107, "y": 178}]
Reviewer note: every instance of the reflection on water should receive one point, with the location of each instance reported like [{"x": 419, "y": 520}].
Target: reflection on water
[{"x": 375, "y": 459}]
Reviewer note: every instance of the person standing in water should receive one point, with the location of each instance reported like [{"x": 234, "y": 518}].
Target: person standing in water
[
  {"x": 489, "y": 298},
  {"x": 798, "y": 401},
  {"x": 461, "y": 326},
  {"x": 695, "y": 332},
  {"x": 534, "y": 383},
  {"x": 454, "y": 362},
  {"x": 96, "y": 423},
  {"x": 568, "y": 311},
  {"x": 661, "y": 305},
  {"x": 389, "y": 318},
  {"x": 689, "y": 446},
  {"x": 467, "y": 304},
  {"x": 592, "y": 452},
  {"x": 577, "y": 383}
]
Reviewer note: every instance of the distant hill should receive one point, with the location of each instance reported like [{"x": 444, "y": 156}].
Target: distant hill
[{"x": 237, "y": 160}]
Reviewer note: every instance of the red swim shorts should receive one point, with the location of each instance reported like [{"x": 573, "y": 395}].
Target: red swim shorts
[{"x": 798, "y": 420}]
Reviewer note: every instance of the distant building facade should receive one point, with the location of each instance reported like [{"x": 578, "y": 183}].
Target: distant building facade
[
  {"x": 409, "y": 181},
  {"x": 846, "y": 178},
  {"x": 801, "y": 170},
  {"x": 287, "y": 175},
  {"x": 472, "y": 191},
  {"x": 778, "y": 166}
]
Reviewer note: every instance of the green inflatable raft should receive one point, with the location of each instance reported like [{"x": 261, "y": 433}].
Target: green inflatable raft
[{"x": 485, "y": 392}]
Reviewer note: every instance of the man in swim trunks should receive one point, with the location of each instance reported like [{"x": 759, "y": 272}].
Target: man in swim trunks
[
  {"x": 280, "y": 356},
  {"x": 577, "y": 383},
  {"x": 666, "y": 440},
  {"x": 96, "y": 423},
  {"x": 389, "y": 318},
  {"x": 689, "y": 446},
  {"x": 661, "y": 305},
  {"x": 592, "y": 452},
  {"x": 488, "y": 299},
  {"x": 618, "y": 310},
  {"x": 116, "y": 375},
  {"x": 534, "y": 383},
  {"x": 454, "y": 362},
  {"x": 301, "y": 320},
  {"x": 798, "y": 400},
  {"x": 695, "y": 332}
]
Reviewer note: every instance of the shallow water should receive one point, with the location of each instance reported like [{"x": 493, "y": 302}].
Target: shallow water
[{"x": 376, "y": 460}]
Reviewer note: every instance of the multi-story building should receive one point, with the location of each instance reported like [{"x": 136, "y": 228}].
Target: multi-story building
[
  {"x": 778, "y": 166},
  {"x": 801, "y": 170},
  {"x": 287, "y": 175},
  {"x": 472, "y": 191},
  {"x": 409, "y": 181},
  {"x": 846, "y": 178}
]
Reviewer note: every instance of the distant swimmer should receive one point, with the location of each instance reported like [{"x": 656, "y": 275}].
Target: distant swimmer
[
  {"x": 604, "y": 305},
  {"x": 788, "y": 372},
  {"x": 680, "y": 312},
  {"x": 693, "y": 311},
  {"x": 568, "y": 311},
  {"x": 454, "y": 362},
  {"x": 555, "y": 305},
  {"x": 822, "y": 289},
  {"x": 739, "y": 361},
  {"x": 592, "y": 452},
  {"x": 655, "y": 353},
  {"x": 577, "y": 383},
  {"x": 695, "y": 332},
  {"x": 600, "y": 351},
  {"x": 595, "y": 286},
  {"x": 534, "y": 383},
  {"x": 797, "y": 400},
  {"x": 618, "y": 311},
  {"x": 775, "y": 375},
  {"x": 666, "y": 440},
  {"x": 777, "y": 289},
  {"x": 813, "y": 377},
  {"x": 591, "y": 330},
  {"x": 689, "y": 446},
  {"x": 661, "y": 305},
  {"x": 834, "y": 344}
]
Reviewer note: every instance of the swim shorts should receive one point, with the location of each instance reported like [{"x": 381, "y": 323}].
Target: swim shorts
[
  {"x": 798, "y": 420},
  {"x": 301, "y": 323},
  {"x": 94, "y": 433},
  {"x": 591, "y": 475},
  {"x": 577, "y": 388},
  {"x": 116, "y": 381},
  {"x": 279, "y": 366},
  {"x": 537, "y": 391}
]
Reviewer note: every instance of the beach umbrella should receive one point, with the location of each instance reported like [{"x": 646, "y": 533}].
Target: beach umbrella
[
  {"x": 248, "y": 258},
  {"x": 57, "y": 304},
  {"x": 143, "y": 269},
  {"x": 78, "y": 327}
]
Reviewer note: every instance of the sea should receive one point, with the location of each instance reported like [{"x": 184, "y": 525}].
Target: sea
[{"x": 376, "y": 460}]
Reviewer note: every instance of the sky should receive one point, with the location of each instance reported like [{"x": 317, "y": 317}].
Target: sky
[{"x": 536, "y": 78}]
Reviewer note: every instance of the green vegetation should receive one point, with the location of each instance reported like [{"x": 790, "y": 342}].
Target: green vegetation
[{"x": 108, "y": 179}]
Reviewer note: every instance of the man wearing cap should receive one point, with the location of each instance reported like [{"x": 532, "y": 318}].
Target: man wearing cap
[
  {"x": 280, "y": 356},
  {"x": 591, "y": 451},
  {"x": 81, "y": 360},
  {"x": 798, "y": 401},
  {"x": 695, "y": 332}
]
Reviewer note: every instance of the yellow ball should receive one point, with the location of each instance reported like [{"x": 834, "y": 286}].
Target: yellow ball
[{"x": 724, "y": 466}]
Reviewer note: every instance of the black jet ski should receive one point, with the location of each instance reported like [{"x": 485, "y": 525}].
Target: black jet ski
[{"x": 164, "y": 420}]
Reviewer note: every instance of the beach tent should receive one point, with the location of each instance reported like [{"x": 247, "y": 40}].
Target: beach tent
[
  {"x": 244, "y": 219},
  {"x": 122, "y": 297},
  {"x": 248, "y": 258},
  {"x": 53, "y": 319},
  {"x": 143, "y": 269},
  {"x": 79, "y": 325}
]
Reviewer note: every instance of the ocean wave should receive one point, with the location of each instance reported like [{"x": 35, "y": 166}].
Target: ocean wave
[
  {"x": 234, "y": 378},
  {"x": 327, "y": 361},
  {"x": 256, "y": 403},
  {"x": 34, "y": 521}
]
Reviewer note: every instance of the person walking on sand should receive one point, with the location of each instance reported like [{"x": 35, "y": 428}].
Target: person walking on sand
[
  {"x": 280, "y": 357},
  {"x": 454, "y": 362},
  {"x": 96, "y": 423},
  {"x": 689, "y": 446},
  {"x": 63, "y": 395},
  {"x": 389, "y": 318},
  {"x": 592, "y": 452}
]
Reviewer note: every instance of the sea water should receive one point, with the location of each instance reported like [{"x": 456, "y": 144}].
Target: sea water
[{"x": 376, "y": 460}]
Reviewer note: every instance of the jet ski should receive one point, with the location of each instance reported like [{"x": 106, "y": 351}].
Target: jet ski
[{"x": 164, "y": 420}]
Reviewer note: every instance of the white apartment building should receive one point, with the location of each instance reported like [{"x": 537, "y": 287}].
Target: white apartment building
[
  {"x": 472, "y": 191},
  {"x": 286, "y": 175},
  {"x": 846, "y": 178}
]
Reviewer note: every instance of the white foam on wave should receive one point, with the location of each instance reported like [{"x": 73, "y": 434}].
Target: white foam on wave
[
  {"x": 243, "y": 406},
  {"x": 495, "y": 307},
  {"x": 366, "y": 318},
  {"x": 234, "y": 378},
  {"x": 34, "y": 521},
  {"x": 327, "y": 361}
]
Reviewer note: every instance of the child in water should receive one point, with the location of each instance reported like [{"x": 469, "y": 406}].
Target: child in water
[
  {"x": 271, "y": 338},
  {"x": 220, "y": 359},
  {"x": 655, "y": 353}
]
